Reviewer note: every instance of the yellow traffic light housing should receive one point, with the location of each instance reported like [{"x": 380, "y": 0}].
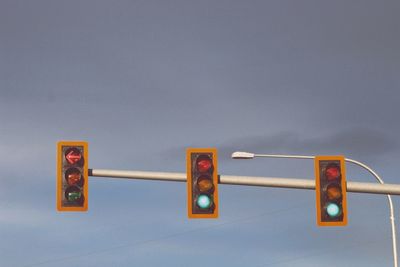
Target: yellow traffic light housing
[
  {"x": 202, "y": 182},
  {"x": 330, "y": 187},
  {"x": 72, "y": 176}
]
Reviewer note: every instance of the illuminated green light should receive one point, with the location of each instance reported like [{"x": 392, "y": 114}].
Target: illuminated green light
[
  {"x": 333, "y": 210},
  {"x": 203, "y": 201}
]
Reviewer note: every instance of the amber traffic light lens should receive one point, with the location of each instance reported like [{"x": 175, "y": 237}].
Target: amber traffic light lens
[
  {"x": 334, "y": 192},
  {"x": 204, "y": 164},
  {"x": 204, "y": 184},
  {"x": 332, "y": 173},
  {"x": 73, "y": 176}
]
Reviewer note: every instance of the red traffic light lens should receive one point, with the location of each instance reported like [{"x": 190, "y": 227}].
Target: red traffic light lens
[
  {"x": 332, "y": 173},
  {"x": 204, "y": 164},
  {"x": 73, "y": 155}
]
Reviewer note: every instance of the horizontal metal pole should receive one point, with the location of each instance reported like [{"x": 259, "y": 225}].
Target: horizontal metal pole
[{"x": 372, "y": 188}]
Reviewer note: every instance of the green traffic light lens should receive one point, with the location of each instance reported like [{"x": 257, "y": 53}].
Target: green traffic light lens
[
  {"x": 74, "y": 196},
  {"x": 333, "y": 210},
  {"x": 203, "y": 201}
]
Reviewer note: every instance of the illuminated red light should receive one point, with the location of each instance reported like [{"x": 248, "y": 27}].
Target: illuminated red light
[
  {"x": 73, "y": 156},
  {"x": 204, "y": 164},
  {"x": 332, "y": 173}
]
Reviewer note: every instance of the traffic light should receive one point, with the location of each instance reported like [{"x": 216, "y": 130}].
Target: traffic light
[
  {"x": 202, "y": 182},
  {"x": 72, "y": 176},
  {"x": 330, "y": 187}
]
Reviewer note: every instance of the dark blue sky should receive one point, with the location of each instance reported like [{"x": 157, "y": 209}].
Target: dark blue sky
[{"x": 143, "y": 80}]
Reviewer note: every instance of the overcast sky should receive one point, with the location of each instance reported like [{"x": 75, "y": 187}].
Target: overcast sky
[{"x": 143, "y": 80}]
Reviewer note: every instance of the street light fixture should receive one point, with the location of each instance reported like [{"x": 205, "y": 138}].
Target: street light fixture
[{"x": 242, "y": 155}]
